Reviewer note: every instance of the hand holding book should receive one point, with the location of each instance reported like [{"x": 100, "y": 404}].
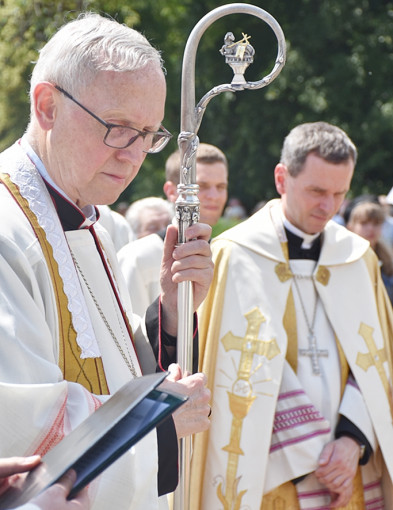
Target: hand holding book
[{"x": 102, "y": 438}]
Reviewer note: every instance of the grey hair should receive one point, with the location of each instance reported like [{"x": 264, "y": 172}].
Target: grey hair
[
  {"x": 90, "y": 44},
  {"x": 138, "y": 208},
  {"x": 324, "y": 140}
]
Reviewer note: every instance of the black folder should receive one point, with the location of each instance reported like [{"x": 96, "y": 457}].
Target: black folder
[{"x": 125, "y": 418}]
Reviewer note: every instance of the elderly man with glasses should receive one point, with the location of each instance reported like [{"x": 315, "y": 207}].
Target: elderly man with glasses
[{"x": 68, "y": 337}]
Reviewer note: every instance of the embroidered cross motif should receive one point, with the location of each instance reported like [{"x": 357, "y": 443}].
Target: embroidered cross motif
[
  {"x": 374, "y": 358},
  {"x": 241, "y": 398}
]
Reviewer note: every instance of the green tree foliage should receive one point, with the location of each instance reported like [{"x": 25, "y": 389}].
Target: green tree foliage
[{"x": 339, "y": 69}]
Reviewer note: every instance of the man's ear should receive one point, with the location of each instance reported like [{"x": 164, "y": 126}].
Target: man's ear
[
  {"x": 45, "y": 105},
  {"x": 170, "y": 190},
  {"x": 280, "y": 178}
]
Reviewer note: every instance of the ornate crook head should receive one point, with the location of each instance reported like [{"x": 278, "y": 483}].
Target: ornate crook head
[{"x": 239, "y": 55}]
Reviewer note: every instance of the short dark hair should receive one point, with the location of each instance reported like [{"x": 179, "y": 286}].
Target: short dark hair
[
  {"x": 325, "y": 140},
  {"x": 206, "y": 153}
]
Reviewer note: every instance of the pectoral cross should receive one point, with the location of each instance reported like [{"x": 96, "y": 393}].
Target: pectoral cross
[{"x": 314, "y": 353}]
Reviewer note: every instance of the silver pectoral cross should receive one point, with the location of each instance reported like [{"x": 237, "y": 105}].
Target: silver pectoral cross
[{"x": 314, "y": 353}]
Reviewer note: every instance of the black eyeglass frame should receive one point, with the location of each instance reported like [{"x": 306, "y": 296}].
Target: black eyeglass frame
[{"x": 164, "y": 133}]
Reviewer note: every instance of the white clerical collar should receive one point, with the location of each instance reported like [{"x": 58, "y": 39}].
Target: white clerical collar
[
  {"x": 88, "y": 211},
  {"x": 308, "y": 239}
]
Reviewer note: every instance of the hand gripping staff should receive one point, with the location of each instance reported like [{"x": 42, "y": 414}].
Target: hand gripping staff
[{"x": 238, "y": 55}]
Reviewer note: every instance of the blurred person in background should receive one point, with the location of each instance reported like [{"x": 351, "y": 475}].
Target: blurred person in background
[
  {"x": 367, "y": 219},
  {"x": 149, "y": 215},
  {"x": 140, "y": 261},
  {"x": 387, "y": 227}
]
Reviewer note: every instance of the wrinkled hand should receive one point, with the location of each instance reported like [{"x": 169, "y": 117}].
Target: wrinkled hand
[
  {"x": 191, "y": 417},
  {"x": 191, "y": 261},
  {"x": 338, "y": 464}
]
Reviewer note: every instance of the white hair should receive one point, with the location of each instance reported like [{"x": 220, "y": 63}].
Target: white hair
[
  {"x": 135, "y": 211},
  {"x": 90, "y": 44}
]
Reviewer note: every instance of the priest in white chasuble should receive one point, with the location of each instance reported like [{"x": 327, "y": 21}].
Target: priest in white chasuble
[
  {"x": 68, "y": 337},
  {"x": 296, "y": 336}
]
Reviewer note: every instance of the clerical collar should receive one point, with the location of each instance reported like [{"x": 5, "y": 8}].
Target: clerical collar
[
  {"x": 300, "y": 245},
  {"x": 308, "y": 239},
  {"x": 71, "y": 216}
]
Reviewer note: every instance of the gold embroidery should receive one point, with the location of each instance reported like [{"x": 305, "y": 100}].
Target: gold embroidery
[
  {"x": 323, "y": 275},
  {"x": 88, "y": 372},
  {"x": 241, "y": 398},
  {"x": 283, "y": 497},
  {"x": 375, "y": 357},
  {"x": 283, "y": 272}
]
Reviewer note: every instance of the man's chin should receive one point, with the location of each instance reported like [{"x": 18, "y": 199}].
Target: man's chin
[{"x": 317, "y": 227}]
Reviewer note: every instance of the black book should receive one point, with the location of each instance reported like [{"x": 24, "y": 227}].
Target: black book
[{"x": 125, "y": 418}]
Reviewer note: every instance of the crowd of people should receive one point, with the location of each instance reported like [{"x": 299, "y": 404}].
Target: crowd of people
[{"x": 290, "y": 400}]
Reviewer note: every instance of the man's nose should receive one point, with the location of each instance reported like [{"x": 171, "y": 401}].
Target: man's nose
[
  {"x": 134, "y": 153},
  {"x": 212, "y": 192},
  {"x": 328, "y": 204}
]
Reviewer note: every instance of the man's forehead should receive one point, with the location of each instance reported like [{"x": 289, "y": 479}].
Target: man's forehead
[
  {"x": 124, "y": 93},
  {"x": 211, "y": 172}
]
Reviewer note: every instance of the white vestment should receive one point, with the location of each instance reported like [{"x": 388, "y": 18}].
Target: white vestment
[
  {"x": 39, "y": 407},
  {"x": 270, "y": 422},
  {"x": 140, "y": 263},
  {"x": 117, "y": 226}
]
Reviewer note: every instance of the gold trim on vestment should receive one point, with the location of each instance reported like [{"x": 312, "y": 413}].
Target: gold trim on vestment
[
  {"x": 283, "y": 271},
  {"x": 88, "y": 372},
  {"x": 385, "y": 313},
  {"x": 285, "y": 497},
  {"x": 212, "y": 304},
  {"x": 290, "y": 326},
  {"x": 323, "y": 275}
]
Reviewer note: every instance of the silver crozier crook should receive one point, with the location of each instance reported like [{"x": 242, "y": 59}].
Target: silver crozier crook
[{"x": 239, "y": 55}]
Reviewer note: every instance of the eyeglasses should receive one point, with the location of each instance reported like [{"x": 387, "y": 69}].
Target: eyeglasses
[{"x": 120, "y": 137}]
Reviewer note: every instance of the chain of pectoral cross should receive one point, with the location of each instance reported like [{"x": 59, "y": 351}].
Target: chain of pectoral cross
[{"x": 313, "y": 352}]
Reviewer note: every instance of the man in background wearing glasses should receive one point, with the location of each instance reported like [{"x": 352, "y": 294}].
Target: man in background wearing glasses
[{"x": 67, "y": 333}]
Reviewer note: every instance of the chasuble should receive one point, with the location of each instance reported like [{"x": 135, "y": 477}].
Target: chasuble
[{"x": 278, "y": 392}]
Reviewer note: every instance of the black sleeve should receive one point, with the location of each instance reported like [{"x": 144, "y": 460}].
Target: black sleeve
[
  {"x": 159, "y": 340},
  {"x": 346, "y": 428},
  {"x": 168, "y": 469},
  {"x": 168, "y": 472}
]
